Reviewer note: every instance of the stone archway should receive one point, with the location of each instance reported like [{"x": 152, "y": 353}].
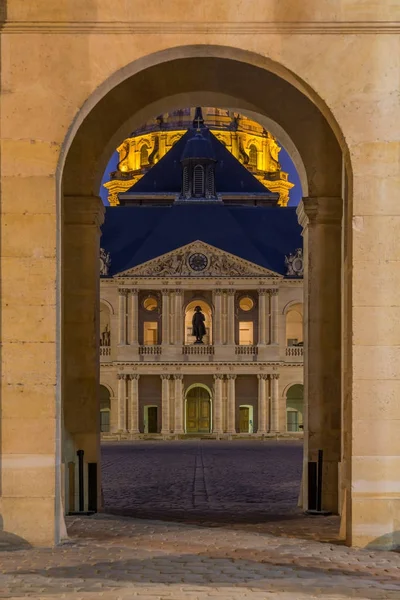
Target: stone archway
[
  {"x": 188, "y": 76},
  {"x": 231, "y": 77}
]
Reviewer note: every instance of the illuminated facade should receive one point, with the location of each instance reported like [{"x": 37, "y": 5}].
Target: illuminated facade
[
  {"x": 247, "y": 140},
  {"x": 184, "y": 239}
]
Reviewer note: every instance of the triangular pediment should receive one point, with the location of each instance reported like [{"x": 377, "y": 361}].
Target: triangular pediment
[{"x": 198, "y": 259}]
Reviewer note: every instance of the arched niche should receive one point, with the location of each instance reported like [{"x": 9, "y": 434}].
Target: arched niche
[
  {"x": 294, "y": 408},
  {"x": 294, "y": 324},
  {"x": 105, "y": 324},
  {"x": 189, "y": 312},
  {"x": 105, "y": 409}
]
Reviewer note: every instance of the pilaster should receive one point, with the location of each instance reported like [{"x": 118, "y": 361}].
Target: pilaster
[
  {"x": 231, "y": 379},
  {"x": 274, "y": 312},
  {"x": 231, "y": 318},
  {"x": 217, "y": 317},
  {"x": 165, "y": 317},
  {"x": 122, "y": 378},
  {"x": 274, "y": 379},
  {"x": 134, "y": 317},
  {"x": 217, "y": 421},
  {"x": 134, "y": 403},
  {"x": 321, "y": 221},
  {"x": 262, "y": 403},
  {"x": 165, "y": 405},
  {"x": 123, "y": 315},
  {"x": 263, "y": 319},
  {"x": 178, "y": 385}
]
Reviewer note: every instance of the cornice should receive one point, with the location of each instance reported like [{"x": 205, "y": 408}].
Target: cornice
[
  {"x": 179, "y": 366},
  {"x": 206, "y": 28}
]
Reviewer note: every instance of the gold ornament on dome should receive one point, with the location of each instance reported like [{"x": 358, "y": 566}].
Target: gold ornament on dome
[{"x": 247, "y": 140}]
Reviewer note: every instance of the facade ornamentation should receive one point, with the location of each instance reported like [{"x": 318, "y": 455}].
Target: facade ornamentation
[
  {"x": 105, "y": 262},
  {"x": 295, "y": 264},
  {"x": 196, "y": 260}
]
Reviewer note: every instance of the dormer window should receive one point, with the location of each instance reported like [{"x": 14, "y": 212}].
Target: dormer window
[{"x": 198, "y": 181}]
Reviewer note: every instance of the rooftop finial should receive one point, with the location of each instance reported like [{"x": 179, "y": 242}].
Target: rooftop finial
[{"x": 198, "y": 120}]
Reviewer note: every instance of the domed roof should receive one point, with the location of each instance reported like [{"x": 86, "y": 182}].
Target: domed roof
[{"x": 198, "y": 147}]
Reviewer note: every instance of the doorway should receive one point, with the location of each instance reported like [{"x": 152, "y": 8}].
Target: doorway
[
  {"x": 151, "y": 419},
  {"x": 198, "y": 410},
  {"x": 246, "y": 419}
]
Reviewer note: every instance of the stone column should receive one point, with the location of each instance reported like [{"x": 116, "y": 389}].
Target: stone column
[
  {"x": 274, "y": 316},
  {"x": 179, "y": 318},
  {"x": 134, "y": 314},
  {"x": 274, "y": 378},
  {"x": 122, "y": 377},
  {"x": 134, "y": 404},
  {"x": 231, "y": 403},
  {"x": 262, "y": 403},
  {"x": 217, "y": 325},
  {"x": 165, "y": 399},
  {"x": 122, "y": 315},
  {"x": 231, "y": 318},
  {"x": 80, "y": 376},
  {"x": 165, "y": 318},
  {"x": 217, "y": 425},
  {"x": 263, "y": 317},
  {"x": 178, "y": 381},
  {"x": 321, "y": 221}
]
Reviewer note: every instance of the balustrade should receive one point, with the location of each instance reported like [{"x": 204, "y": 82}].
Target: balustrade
[
  {"x": 198, "y": 349},
  {"x": 294, "y": 351},
  {"x": 150, "y": 349},
  {"x": 246, "y": 350}
]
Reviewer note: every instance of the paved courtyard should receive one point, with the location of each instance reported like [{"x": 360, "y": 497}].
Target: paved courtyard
[
  {"x": 219, "y": 481},
  {"x": 265, "y": 550}
]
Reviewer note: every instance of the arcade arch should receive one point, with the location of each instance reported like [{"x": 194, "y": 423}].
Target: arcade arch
[{"x": 98, "y": 129}]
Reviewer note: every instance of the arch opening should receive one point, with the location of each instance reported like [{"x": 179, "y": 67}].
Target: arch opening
[{"x": 320, "y": 156}]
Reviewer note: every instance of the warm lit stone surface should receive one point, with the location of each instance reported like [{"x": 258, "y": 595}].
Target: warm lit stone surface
[
  {"x": 57, "y": 56},
  {"x": 113, "y": 557}
]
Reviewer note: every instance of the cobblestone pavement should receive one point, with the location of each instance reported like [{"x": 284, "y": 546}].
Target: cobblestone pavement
[
  {"x": 200, "y": 557},
  {"x": 206, "y": 480}
]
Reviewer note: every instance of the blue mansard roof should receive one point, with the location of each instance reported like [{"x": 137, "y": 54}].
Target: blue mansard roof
[
  {"x": 263, "y": 235},
  {"x": 166, "y": 175}
]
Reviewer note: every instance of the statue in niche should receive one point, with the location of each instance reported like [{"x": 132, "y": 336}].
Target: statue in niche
[
  {"x": 105, "y": 337},
  {"x": 198, "y": 326}
]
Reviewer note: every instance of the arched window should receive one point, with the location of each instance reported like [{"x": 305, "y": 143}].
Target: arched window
[
  {"x": 253, "y": 156},
  {"x": 185, "y": 181},
  {"x": 210, "y": 181},
  {"x": 198, "y": 181},
  {"x": 144, "y": 156},
  {"x": 294, "y": 408},
  {"x": 105, "y": 409},
  {"x": 294, "y": 325}
]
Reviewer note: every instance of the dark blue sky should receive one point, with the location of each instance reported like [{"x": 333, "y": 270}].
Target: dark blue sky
[{"x": 284, "y": 159}]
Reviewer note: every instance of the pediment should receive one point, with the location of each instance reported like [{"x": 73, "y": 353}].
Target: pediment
[{"x": 198, "y": 259}]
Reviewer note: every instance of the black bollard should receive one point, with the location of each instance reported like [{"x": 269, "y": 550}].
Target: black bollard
[
  {"x": 315, "y": 471},
  {"x": 81, "y": 491}
]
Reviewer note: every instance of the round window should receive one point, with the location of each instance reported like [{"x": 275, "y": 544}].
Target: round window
[
  {"x": 150, "y": 303},
  {"x": 246, "y": 303}
]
